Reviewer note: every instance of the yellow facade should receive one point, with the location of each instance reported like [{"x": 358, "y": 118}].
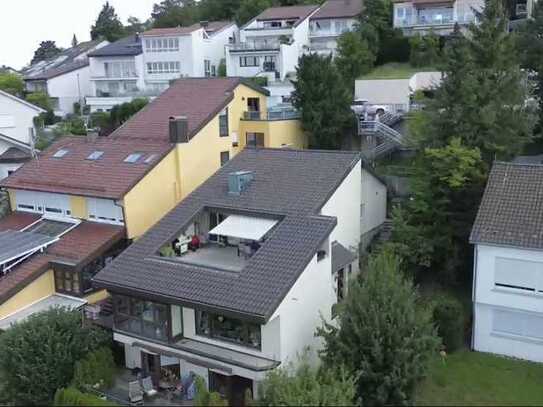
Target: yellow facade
[
  {"x": 78, "y": 206},
  {"x": 42, "y": 287},
  {"x": 277, "y": 133},
  {"x": 96, "y": 297}
]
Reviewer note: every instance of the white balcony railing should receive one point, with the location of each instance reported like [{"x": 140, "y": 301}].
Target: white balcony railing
[
  {"x": 434, "y": 18},
  {"x": 255, "y": 46}
]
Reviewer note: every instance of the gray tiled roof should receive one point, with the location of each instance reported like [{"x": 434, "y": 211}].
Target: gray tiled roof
[
  {"x": 291, "y": 184},
  {"x": 341, "y": 256},
  {"x": 511, "y": 211},
  {"x": 127, "y": 46}
]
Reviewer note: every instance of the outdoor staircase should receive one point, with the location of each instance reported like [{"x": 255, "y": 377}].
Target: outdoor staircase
[{"x": 382, "y": 138}]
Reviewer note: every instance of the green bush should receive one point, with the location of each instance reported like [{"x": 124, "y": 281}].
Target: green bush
[
  {"x": 448, "y": 315},
  {"x": 259, "y": 80},
  {"x": 221, "y": 72},
  {"x": 40, "y": 99},
  {"x": 73, "y": 397},
  {"x": 424, "y": 50},
  {"x": 205, "y": 398},
  {"x": 97, "y": 370}
]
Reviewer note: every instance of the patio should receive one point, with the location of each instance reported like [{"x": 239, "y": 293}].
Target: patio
[
  {"x": 213, "y": 255},
  {"x": 119, "y": 393}
]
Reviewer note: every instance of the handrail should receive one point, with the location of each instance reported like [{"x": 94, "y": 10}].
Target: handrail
[{"x": 383, "y": 129}]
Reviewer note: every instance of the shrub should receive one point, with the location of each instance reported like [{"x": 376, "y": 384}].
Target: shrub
[
  {"x": 206, "y": 398},
  {"x": 77, "y": 108},
  {"x": 37, "y": 356},
  {"x": 450, "y": 320},
  {"x": 97, "y": 370},
  {"x": 73, "y": 397},
  {"x": 259, "y": 80},
  {"x": 40, "y": 99},
  {"x": 424, "y": 50},
  {"x": 222, "y": 68}
]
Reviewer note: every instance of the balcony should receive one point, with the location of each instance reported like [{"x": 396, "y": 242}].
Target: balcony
[
  {"x": 272, "y": 115},
  {"x": 332, "y": 32},
  {"x": 254, "y": 46},
  {"x": 434, "y": 18},
  {"x": 133, "y": 93}
]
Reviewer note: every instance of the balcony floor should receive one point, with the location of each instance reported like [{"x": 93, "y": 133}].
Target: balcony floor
[{"x": 212, "y": 255}]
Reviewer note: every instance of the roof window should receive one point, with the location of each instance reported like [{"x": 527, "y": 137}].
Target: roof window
[
  {"x": 60, "y": 153},
  {"x": 133, "y": 158},
  {"x": 150, "y": 159},
  {"x": 95, "y": 155}
]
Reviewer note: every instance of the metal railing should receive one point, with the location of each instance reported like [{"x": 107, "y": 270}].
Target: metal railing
[
  {"x": 381, "y": 129},
  {"x": 287, "y": 114},
  {"x": 255, "y": 46}
]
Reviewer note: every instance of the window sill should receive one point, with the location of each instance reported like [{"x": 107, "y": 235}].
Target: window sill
[{"x": 522, "y": 293}]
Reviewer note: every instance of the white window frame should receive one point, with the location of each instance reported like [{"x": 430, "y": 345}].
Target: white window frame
[
  {"x": 104, "y": 211},
  {"x": 54, "y": 205}
]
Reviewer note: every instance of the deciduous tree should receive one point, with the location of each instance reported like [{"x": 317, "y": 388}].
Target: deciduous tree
[
  {"x": 354, "y": 56},
  {"x": 12, "y": 83}
]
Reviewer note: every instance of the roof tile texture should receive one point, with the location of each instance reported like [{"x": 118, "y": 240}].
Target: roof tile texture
[{"x": 339, "y": 9}]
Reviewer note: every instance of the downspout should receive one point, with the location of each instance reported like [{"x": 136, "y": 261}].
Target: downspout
[{"x": 473, "y": 295}]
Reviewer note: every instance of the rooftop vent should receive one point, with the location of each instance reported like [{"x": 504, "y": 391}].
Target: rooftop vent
[
  {"x": 239, "y": 181},
  {"x": 179, "y": 129}
]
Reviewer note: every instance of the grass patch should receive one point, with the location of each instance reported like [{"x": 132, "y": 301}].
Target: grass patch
[
  {"x": 396, "y": 70},
  {"x": 473, "y": 378}
]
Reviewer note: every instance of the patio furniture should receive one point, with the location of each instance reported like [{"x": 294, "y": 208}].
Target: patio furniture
[
  {"x": 147, "y": 387},
  {"x": 135, "y": 394}
]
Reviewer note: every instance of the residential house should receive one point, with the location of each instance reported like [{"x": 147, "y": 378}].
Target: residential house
[
  {"x": 277, "y": 243},
  {"x": 508, "y": 265},
  {"x": 115, "y": 188},
  {"x": 270, "y": 44},
  {"x": 17, "y": 130},
  {"x": 144, "y": 65},
  {"x": 65, "y": 78},
  {"x": 333, "y": 18}
]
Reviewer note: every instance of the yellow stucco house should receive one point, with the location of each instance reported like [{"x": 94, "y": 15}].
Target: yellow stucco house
[{"x": 85, "y": 199}]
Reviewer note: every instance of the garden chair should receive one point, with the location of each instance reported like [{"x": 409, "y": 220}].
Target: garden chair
[
  {"x": 147, "y": 387},
  {"x": 135, "y": 394}
]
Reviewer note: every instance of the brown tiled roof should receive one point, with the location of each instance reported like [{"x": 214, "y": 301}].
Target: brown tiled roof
[
  {"x": 108, "y": 177},
  {"x": 290, "y": 12},
  {"x": 511, "y": 211},
  {"x": 14, "y": 155},
  {"x": 211, "y": 27},
  {"x": 86, "y": 240},
  {"x": 215, "y": 26},
  {"x": 17, "y": 221},
  {"x": 23, "y": 275},
  {"x": 339, "y": 9}
]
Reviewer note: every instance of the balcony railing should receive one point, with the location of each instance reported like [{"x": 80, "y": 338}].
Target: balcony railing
[
  {"x": 255, "y": 46},
  {"x": 434, "y": 19},
  {"x": 272, "y": 115},
  {"x": 120, "y": 94}
]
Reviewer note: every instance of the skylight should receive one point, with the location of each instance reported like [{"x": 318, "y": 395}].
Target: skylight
[
  {"x": 96, "y": 155},
  {"x": 150, "y": 159},
  {"x": 60, "y": 153},
  {"x": 133, "y": 158}
]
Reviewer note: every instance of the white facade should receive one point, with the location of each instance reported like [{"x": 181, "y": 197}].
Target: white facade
[
  {"x": 373, "y": 209},
  {"x": 324, "y": 33},
  {"x": 421, "y": 18},
  {"x": 291, "y": 328},
  {"x": 508, "y": 302},
  {"x": 268, "y": 48},
  {"x": 17, "y": 125}
]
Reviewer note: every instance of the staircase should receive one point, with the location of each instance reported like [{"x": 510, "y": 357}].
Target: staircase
[{"x": 382, "y": 138}]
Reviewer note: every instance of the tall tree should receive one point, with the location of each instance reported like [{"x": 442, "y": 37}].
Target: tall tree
[
  {"x": 531, "y": 50},
  {"x": 47, "y": 49},
  {"x": 381, "y": 335},
  {"x": 251, "y": 8},
  {"x": 107, "y": 25},
  {"x": 173, "y": 13},
  {"x": 12, "y": 83},
  {"x": 135, "y": 25},
  {"x": 218, "y": 10},
  {"x": 483, "y": 95},
  {"x": 354, "y": 56},
  {"x": 323, "y": 99}
]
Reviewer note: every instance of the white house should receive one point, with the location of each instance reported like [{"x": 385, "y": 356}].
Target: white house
[
  {"x": 277, "y": 241},
  {"x": 16, "y": 132},
  {"x": 64, "y": 78},
  {"x": 508, "y": 270},
  {"x": 270, "y": 44},
  {"x": 143, "y": 65},
  {"x": 333, "y": 18}
]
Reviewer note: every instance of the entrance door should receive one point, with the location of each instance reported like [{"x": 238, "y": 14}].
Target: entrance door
[
  {"x": 150, "y": 364},
  {"x": 253, "y": 104},
  {"x": 231, "y": 388}
]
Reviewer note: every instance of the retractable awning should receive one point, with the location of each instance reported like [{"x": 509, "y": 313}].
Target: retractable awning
[
  {"x": 244, "y": 227},
  {"x": 14, "y": 244}
]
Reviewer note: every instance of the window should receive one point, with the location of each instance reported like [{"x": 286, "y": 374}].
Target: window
[
  {"x": 146, "y": 318},
  {"x": 162, "y": 45},
  {"x": 521, "y": 324},
  {"x": 207, "y": 68},
  {"x": 228, "y": 329},
  {"x": 96, "y": 155},
  {"x": 255, "y": 139},
  {"x": 249, "y": 61},
  {"x": 177, "y": 321},
  {"x": 67, "y": 280},
  {"x": 163, "y": 67},
  {"x": 133, "y": 158},
  {"x": 60, "y": 153},
  {"x": 225, "y": 157},
  {"x": 104, "y": 210},
  {"x": 42, "y": 202},
  {"x": 223, "y": 123},
  {"x": 521, "y": 275},
  {"x": 120, "y": 69},
  {"x": 150, "y": 158}
]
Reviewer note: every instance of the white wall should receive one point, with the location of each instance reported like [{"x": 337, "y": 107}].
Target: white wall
[
  {"x": 425, "y": 80},
  {"x": 383, "y": 91},
  {"x": 6, "y": 169},
  {"x": 374, "y": 203},
  {"x": 488, "y": 298},
  {"x": 16, "y": 118},
  {"x": 70, "y": 88}
]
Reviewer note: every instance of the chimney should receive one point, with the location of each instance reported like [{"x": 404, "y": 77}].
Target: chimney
[
  {"x": 239, "y": 181},
  {"x": 179, "y": 129}
]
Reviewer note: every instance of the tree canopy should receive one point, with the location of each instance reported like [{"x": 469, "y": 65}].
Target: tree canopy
[
  {"x": 107, "y": 25},
  {"x": 382, "y": 336},
  {"x": 354, "y": 56},
  {"x": 47, "y": 49},
  {"x": 12, "y": 83}
]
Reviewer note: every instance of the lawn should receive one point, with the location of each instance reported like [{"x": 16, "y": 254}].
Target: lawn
[
  {"x": 473, "y": 378},
  {"x": 395, "y": 70}
]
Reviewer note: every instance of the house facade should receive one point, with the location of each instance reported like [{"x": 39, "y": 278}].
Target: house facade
[
  {"x": 64, "y": 78},
  {"x": 270, "y": 44},
  {"x": 277, "y": 243},
  {"x": 508, "y": 270},
  {"x": 333, "y": 18},
  {"x": 17, "y": 131},
  {"x": 144, "y": 65},
  {"x": 123, "y": 184}
]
